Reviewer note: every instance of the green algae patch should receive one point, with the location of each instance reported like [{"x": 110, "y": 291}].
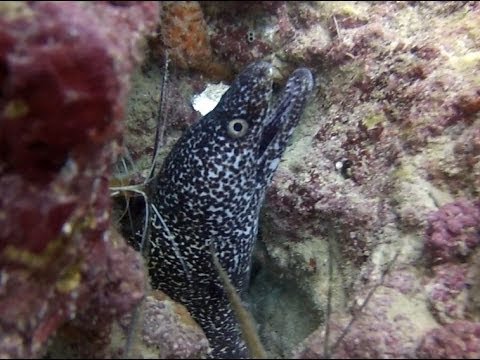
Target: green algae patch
[{"x": 373, "y": 120}]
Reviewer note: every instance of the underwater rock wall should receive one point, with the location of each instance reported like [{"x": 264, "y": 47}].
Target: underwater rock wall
[
  {"x": 64, "y": 74},
  {"x": 383, "y": 174},
  {"x": 385, "y": 168},
  {"x": 382, "y": 179}
]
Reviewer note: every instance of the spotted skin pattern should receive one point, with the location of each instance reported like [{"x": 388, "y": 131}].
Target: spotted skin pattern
[{"x": 209, "y": 193}]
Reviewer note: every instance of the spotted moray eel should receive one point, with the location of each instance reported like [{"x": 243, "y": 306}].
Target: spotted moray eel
[{"x": 209, "y": 193}]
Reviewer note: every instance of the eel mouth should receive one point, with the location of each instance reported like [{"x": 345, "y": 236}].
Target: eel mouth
[
  {"x": 284, "y": 116},
  {"x": 269, "y": 132}
]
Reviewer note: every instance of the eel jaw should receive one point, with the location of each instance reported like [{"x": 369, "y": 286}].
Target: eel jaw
[{"x": 281, "y": 121}]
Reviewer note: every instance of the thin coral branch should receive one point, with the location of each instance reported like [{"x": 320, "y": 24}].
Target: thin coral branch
[
  {"x": 364, "y": 304},
  {"x": 329, "y": 296}
]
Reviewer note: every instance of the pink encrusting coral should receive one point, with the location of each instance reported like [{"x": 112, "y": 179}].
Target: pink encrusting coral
[
  {"x": 169, "y": 328},
  {"x": 166, "y": 331},
  {"x": 389, "y": 326},
  {"x": 459, "y": 340},
  {"x": 446, "y": 292},
  {"x": 453, "y": 231},
  {"x": 64, "y": 70}
]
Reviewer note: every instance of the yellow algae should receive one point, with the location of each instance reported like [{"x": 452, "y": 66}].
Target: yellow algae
[
  {"x": 468, "y": 61},
  {"x": 30, "y": 259},
  {"x": 70, "y": 280},
  {"x": 405, "y": 172},
  {"x": 13, "y": 10},
  {"x": 410, "y": 307},
  {"x": 344, "y": 8},
  {"x": 15, "y": 109}
]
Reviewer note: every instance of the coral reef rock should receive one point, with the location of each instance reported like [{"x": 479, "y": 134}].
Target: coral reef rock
[
  {"x": 163, "y": 329},
  {"x": 459, "y": 340},
  {"x": 64, "y": 74},
  {"x": 168, "y": 331},
  {"x": 379, "y": 189},
  {"x": 389, "y": 326}
]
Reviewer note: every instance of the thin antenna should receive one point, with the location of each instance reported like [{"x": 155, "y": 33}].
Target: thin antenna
[
  {"x": 144, "y": 244},
  {"x": 131, "y": 330},
  {"x": 161, "y": 122},
  {"x": 135, "y": 188}
]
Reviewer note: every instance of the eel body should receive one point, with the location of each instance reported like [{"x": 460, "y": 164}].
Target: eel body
[{"x": 208, "y": 194}]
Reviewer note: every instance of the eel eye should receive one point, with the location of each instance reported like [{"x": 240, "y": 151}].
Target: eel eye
[{"x": 237, "y": 128}]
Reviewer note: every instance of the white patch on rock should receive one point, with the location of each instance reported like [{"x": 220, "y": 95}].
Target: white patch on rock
[{"x": 209, "y": 98}]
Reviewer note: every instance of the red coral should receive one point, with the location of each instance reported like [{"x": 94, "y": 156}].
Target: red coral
[
  {"x": 453, "y": 231},
  {"x": 65, "y": 69},
  {"x": 62, "y": 86},
  {"x": 104, "y": 298}
]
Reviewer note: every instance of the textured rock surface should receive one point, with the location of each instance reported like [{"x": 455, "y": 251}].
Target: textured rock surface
[
  {"x": 64, "y": 71},
  {"x": 384, "y": 165},
  {"x": 164, "y": 330},
  {"x": 453, "y": 231},
  {"x": 381, "y": 169},
  {"x": 460, "y": 339},
  {"x": 390, "y": 326},
  {"x": 168, "y": 331}
]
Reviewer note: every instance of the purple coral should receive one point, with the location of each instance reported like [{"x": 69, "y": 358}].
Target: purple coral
[
  {"x": 385, "y": 328},
  {"x": 459, "y": 340},
  {"x": 453, "y": 231},
  {"x": 445, "y": 291}
]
